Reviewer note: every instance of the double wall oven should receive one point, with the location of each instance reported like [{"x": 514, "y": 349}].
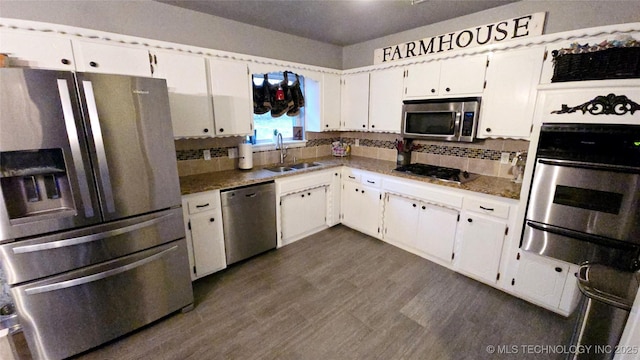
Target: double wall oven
[{"x": 585, "y": 195}]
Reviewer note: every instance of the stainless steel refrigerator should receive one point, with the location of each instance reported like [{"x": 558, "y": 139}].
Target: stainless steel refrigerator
[{"x": 91, "y": 231}]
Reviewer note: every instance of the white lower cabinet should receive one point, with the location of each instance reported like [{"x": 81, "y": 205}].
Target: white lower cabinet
[
  {"x": 360, "y": 202},
  {"x": 427, "y": 228},
  {"x": 306, "y": 204},
  {"x": 483, "y": 229},
  {"x": 303, "y": 213},
  {"x": 205, "y": 237},
  {"x": 547, "y": 282}
]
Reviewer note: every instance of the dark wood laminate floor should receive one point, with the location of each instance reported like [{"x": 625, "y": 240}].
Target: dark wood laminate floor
[{"x": 343, "y": 295}]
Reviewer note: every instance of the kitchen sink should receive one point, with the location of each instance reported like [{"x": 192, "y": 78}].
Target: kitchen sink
[
  {"x": 279, "y": 169},
  {"x": 304, "y": 165}
]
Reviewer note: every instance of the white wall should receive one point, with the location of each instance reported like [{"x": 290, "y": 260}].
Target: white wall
[
  {"x": 564, "y": 15},
  {"x": 154, "y": 20}
]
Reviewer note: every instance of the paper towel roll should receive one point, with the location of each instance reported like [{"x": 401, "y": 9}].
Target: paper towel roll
[{"x": 245, "y": 156}]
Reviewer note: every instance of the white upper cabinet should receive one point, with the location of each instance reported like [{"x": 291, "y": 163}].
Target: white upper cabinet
[
  {"x": 509, "y": 98},
  {"x": 232, "y": 97},
  {"x": 40, "y": 51},
  {"x": 355, "y": 101},
  {"x": 322, "y": 102},
  {"x": 111, "y": 59},
  {"x": 462, "y": 76},
  {"x": 191, "y": 108},
  {"x": 422, "y": 80},
  {"x": 385, "y": 100}
]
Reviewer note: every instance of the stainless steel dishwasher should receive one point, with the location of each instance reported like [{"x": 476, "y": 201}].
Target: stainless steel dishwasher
[{"x": 249, "y": 221}]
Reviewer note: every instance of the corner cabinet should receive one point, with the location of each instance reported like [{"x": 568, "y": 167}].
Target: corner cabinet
[
  {"x": 38, "y": 51},
  {"x": 191, "y": 108},
  {"x": 361, "y": 201},
  {"x": 385, "y": 100},
  {"x": 322, "y": 102},
  {"x": 509, "y": 98},
  {"x": 111, "y": 59},
  {"x": 354, "y": 102},
  {"x": 232, "y": 95},
  {"x": 203, "y": 227},
  {"x": 483, "y": 229}
]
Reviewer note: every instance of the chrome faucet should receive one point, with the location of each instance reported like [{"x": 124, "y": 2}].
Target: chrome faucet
[{"x": 283, "y": 150}]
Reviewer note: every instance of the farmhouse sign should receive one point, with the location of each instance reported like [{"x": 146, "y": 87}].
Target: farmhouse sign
[{"x": 515, "y": 28}]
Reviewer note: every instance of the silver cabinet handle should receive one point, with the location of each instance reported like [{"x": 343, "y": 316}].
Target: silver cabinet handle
[
  {"x": 98, "y": 276},
  {"x": 87, "y": 238},
  {"x": 74, "y": 142},
  {"x": 99, "y": 142}
]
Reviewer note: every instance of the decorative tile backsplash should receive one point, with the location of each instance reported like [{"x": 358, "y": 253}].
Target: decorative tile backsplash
[{"x": 481, "y": 157}]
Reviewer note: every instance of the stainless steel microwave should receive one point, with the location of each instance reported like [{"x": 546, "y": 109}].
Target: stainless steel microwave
[{"x": 441, "y": 119}]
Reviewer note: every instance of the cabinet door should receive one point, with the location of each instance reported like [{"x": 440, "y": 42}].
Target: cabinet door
[
  {"x": 335, "y": 199},
  {"x": 401, "y": 220},
  {"x": 355, "y": 101},
  {"x": 186, "y": 76},
  {"x": 437, "y": 231},
  {"x": 111, "y": 59},
  {"x": 540, "y": 279},
  {"x": 422, "y": 80},
  {"x": 509, "y": 99},
  {"x": 232, "y": 97},
  {"x": 463, "y": 75},
  {"x": 351, "y": 203},
  {"x": 331, "y": 101},
  {"x": 370, "y": 210},
  {"x": 481, "y": 246},
  {"x": 208, "y": 242},
  {"x": 37, "y": 50},
  {"x": 385, "y": 100},
  {"x": 322, "y": 102},
  {"x": 302, "y": 213}
]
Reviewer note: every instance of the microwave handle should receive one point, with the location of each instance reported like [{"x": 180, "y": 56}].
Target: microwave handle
[{"x": 457, "y": 125}]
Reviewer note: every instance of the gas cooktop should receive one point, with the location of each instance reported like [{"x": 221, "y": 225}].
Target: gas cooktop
[{"x": 438, "y": 172}]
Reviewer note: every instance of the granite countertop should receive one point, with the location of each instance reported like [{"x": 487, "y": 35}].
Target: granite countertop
[{"x": 220, "y": 180}]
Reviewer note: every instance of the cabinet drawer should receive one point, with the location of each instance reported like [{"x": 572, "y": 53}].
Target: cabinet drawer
[
  {"x": 351, "y": 175},
  {"x": 487, "y": 207},
  {"x": 202, "y": 202},
  {"x": 371, "y": 180}
]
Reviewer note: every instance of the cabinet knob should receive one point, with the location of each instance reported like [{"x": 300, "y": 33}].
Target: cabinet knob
[
  {"x": 372, "y": 126},
  {"x": 414, "y": 205},
  {"x": 93, "y": 64},
  {"x": 65, "y": 61},
  {"x": 221, "y": 130},
  {"x": 433, "y": 91},
  {"x": 309, "y": 194},
  {"x": 364, "y": 126},
  {"x": 469, "y": 220},
  {"x": 357, "y": 190},
  {"x": 423, "y": 207},
  {"x": 558, "y": 269},
  {"x": 326, "y": 125},
  {"x": 336, "y": 174},
  {"x": 363, "y": 191},
  {"x": 302, "y": 195},
  {"x": 447, "y": 89},
  {"x": 212, "y": 219},
  {"x": 206, "y": 130},
  {"x": 488, "y": 130}
]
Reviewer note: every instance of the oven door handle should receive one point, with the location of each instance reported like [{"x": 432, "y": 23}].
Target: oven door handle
[
  {"x": 579, "y": 235},
  {"x": 590, "y": 166}
]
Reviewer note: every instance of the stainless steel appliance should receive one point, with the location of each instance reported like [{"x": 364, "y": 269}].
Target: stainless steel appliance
[
  {"x": 585, "y": 195},
  {"x": 441, "y": 119},
  {"x": 91, "y": 233},
  {"x": 249, "y": 221},
  {"x": 437, "y": 172}
]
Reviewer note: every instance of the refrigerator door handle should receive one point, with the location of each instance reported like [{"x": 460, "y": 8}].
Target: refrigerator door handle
[
  {"x": 88, "y": 238},
  {"x": 74, "y": 142},
  {"x": 98, "y": 276},
  {"x": 94, "y": 120}
]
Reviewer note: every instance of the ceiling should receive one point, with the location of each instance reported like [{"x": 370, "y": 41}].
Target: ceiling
[{"x": 338, "y": 22}]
